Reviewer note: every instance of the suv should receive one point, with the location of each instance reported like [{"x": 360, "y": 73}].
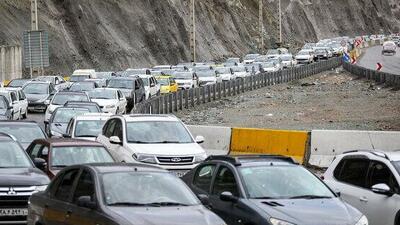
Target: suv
[
  {"x": 22, "y": 101},
  {"x": 16, "y": 103},
  {"x": 268, "y": 190},
  {"x": 154, "y": 139},
  {"x": 132, "y": 87},
  {"x": 368, "y": 180}
]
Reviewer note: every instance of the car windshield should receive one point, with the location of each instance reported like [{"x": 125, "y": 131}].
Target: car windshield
[
  {"x": 183, "y": 76},
  {"x": 76, "y": 155},
  {"x": 88, "y": 128},
  {"x": 286, "y": 58},
  {"x": 135, "y": 71},
  {"x": 13, "y": 156},
  {"x": 282, "y": 182},
  {"x": 163, "y": 81},
  {"x": 157, "y": 132},
  {"x": 223, "y": 70},
  {"x": 91, "y": 107},
  {"x": 121, "y": 83},
  {"x": 82, "y": 86},
  {"x": 102, "y": 94},
  {"x": 103, "y": 75},
  {"x": 23, "y": 133},
  {"x": 320, "y": 51},
  {"x": 35, "y": 88},
  {"x": 209, "y": 73},
  {"x": 17, "y": 83},
  {"x": 239, "y": 69},
  {"x": 62, "y": 98},
  {"x": 157, "y": 189},
  {"x": 303, "y": 53},
  {"x": 45, "y": 78},
  {"x": 65, "y": 115},
  {"x": 268, "y": 64},
  {"x": 251, "y": 57},
  {"x": 76, "y": 78}
]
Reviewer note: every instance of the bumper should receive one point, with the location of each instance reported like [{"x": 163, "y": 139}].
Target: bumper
[
  {"x": 108, "y": 110},
  {"x": 37, "y": 106}
]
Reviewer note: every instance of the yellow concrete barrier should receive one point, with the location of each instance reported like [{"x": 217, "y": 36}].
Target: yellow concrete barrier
[{"x": 276, "y": 142}]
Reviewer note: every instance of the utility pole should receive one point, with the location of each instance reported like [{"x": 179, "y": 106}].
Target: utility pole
[
  {"x": 193, "y": 30},
  {"x": 261, "y": 25},
  {"x": 34, "y": 15},
  {"x": 280, "y": 22}
]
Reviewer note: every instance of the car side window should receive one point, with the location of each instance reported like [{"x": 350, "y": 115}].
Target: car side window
[
  {"x": 65, "y": 187},
  {"x": 22, "y": 95},
  {"x": 34, "y": 153},
  {"x": 85, "y": 187},
  {"x": 137, "y": 85},
  {"x": 13, "y": 96},
  {"x": 353, "y": 171},
  {"x": 172, "y": 81},
  {"x": 225, "y": 182},
  {"x": 381, "y": 174},
  {"x": 119, "y": 94},
  {"x": 109, "y": 129},
  {"x": 118, "y": 129},
  {"x": 203, "y": 177}
]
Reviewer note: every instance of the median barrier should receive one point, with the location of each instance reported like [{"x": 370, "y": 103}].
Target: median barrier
[
  {"x": 276, "y": 142},
  {"x": 378, "y": 76},
  {"x": 216, "y": 139},
  {"x": 326, "y": 144}
]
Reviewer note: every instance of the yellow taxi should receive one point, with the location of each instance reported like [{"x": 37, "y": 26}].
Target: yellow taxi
[{"x": 168, "y": 84}]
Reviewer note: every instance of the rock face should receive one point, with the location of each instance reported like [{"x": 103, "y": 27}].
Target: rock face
[{"x": 117, "y": 34}]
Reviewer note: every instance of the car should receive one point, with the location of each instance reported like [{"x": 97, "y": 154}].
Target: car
[
  {"x": 186, "y": 80},
  {"x": 167, "y": 84},
  {"x": 87, "y": 126},
  {"x": 18, "y": 83},
  {"x": 110, "y": 100},
  {"x": 20, "y": 177},
  {"x": 368, "y": 180},
  {"x": 58, "y": 81},
  {"x": 268, "y": 189},
  {"x": 321, "y": 53},
  {"x": 180, "y": 68},
  {"x": 57, "y": 124},
  {"x": 202, "y": 68},
  {"x": 273, "y": 53},
  {"x": 82, "y": 74},
  {"x": 23, "y": 131},
  {"x": 241, "y": 71},
  {"x": 226, "y": 73},
  {"x": 288, "y": 61},
  {"x": 167, "y": 72},
  {"x": 22, "y": 101},
  {"x": 115, "y": 194},
  {"x": 230, "y": 62},
  {"x": 153, "y": 139},
  {"x": 102, "y": 78},
  {"x": 59, "y": 153},
  {"x": 208, "y": 77},
  {"x": 278, "y": 62},
  {"x": 151, "y": 86},
  {"x": 83, "y": 86},
  {"x": 268, "y": 66},
  {"x": 337, "y": 48},
  {"x": 5, "y": 109},
  {"x": 132, "y": 88},
  {"x": 250, "y": 58},
  {"x": 37, "y": 93},
  {"x": 62, "y": 97},
  {"x": 131, "y": 71},
  {"x": 389, "y": 47},
  {"x": 305, "y": 57},
  {"x": 309, "y": 46},
  {"x": 14, "y": 103},
  {"x": 162, "y": 67},
  {"x": 92, "y": 106}
]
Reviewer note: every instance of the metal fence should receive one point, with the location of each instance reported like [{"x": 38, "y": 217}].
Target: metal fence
[
  {"x": 381, "y": 77},
  {"x": 185, "y": 99}
]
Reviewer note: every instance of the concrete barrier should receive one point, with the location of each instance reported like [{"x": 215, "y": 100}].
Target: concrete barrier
[
  {"x": 10, "y": 62},
  {"x": 325, "y": 144},
  {"x": 276, "y": 142},
  {"x": 217, "y": 139}
]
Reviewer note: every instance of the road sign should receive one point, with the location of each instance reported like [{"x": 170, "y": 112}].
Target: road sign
[
  {"x": 353, "y": 60},
  {"x": 36, "y": 49},
  {"x": 346, "y": 57},
  {"x": 379, "y": 66}
]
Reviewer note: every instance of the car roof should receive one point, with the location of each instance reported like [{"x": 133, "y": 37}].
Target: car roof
[
  {"x": 59, "y": 142},
  {"x": 7, "y": 137},
  {"x": 18, "y": 122},
  {"x": 132, "y": 77},
  {"x": 71, "y": 92},
  {"x": 80, "y": 103},
  {"x": 391, "y": 156},
  {"x": 163, "y": 77},
  {"x": 124, "y": 167},
  {"x": 147, "y": 117},
  {"x": 105, "y": 88},
  {"x": 93, "y": 116},
  {"x": 247, "y": 160},
  {"x": 38, "y": 82}
]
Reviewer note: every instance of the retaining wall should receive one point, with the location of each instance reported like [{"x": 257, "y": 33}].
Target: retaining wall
[{"x": 10, "y": 63}]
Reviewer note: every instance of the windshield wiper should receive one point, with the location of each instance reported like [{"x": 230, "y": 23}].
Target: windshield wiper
[
  {"x": 87, "y": 135},
  {"x": 129, "y": 204},
  {"x": 265, "y": 197},
  {"x": 309, "y": 197},
  {"x": 168, "y": 204},
  {"x": 60, "y": 165},
  {"x": 166, "y": 142}
]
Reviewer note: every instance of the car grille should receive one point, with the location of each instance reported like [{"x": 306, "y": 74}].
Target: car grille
[
  {"x": 186, "y": 160},
  {"x": 14, "y": 197}
]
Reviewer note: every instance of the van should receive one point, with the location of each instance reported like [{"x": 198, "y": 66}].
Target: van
[{"x": 81, "y": 75}]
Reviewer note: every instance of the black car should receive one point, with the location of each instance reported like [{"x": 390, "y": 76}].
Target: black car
[
  {"x": 132, "y": 87},
  {"x": 19, "y": 179},
  {"x": 37, "y": 92},
  {"x": 5, "y": 109},
  {"x": 267, "y": 190},
  {"x": 58, "y": 122},
  {"x": 92, "y": 106},
  {"x": 23, "y": 131},
  {"x": 116, "y": 194}
]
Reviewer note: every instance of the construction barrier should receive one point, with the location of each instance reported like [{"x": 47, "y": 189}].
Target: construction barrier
[
  {"x": 326, "y": 144},
  {"x": 216, "y": 139},
  {"x": 275, "y": 142}
]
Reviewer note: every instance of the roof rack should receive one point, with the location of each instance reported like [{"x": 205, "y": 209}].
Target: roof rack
[
  {"x": 373, "y": 152},
  {"x": 236, "y": 159}
]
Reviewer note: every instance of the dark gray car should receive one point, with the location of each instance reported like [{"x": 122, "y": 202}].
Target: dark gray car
[
  {"x": 58, "y": 122},
  {"x": 5, "y": 109},
  {"x": 37, "y": 92},
  {"x": 120, "y": 194},
  {"x": 132, "y": 88}
]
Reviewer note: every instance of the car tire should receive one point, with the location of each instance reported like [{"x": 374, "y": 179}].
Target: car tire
[{"x": 25, "y": 115}]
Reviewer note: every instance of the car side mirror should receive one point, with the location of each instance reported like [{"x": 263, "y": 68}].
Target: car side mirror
[
  {"x": 152, "y": 85},
  {"x": 86, "y": 202},
  {"x": 382, "y": 189},
  {"x": 227, "y": 196},
  {"x": 199, "y": 139},
  {"x": 40, "y": 163},
  {"x": 115, "y": 140},
  {"x": 47, "y": 102},
  {"x": 66, "y": 136},
  {"x": 204, "y": 199}
]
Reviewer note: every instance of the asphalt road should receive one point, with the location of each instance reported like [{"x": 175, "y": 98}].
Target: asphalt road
[
  {"x": 373, "y": 55},
  {"x": 36, "y": 116}
]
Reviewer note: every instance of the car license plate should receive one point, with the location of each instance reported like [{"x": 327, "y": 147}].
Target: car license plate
[
  {"x": 180, "y": 173},
  {"x": 13, "y": 212}
]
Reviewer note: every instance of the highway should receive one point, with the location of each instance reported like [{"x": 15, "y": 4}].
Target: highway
[{"x": 373, "y": 55}]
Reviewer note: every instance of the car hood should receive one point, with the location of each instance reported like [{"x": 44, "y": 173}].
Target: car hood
[
  {"x": 59, "y": 127},
  {"x": 303, "y": 57},
  {"x": 36, "y": 97},
  {"x": 104, "y": 102},
  {"x": 310, "y": 211},
  {"x": 207, "y": 79},
  {"x": 22, "y": 177},
  {"x": 167, "y": 149},
  {"x": 193, "y": 215},
  {"x": 184, "y": 80}
]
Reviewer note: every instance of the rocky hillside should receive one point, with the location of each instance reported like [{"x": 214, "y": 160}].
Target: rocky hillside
[{"x": 116, "y": 34}]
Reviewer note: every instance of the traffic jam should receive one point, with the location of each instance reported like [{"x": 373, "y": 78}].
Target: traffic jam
[{"x": 90, "y": 161}]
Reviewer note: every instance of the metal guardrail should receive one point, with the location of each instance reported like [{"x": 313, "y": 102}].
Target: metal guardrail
[
  {"x": 378, "y": 76},
  {"x": 190, "y": 98}
]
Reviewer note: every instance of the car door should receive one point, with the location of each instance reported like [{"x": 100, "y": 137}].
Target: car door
[
  {"x": 138, "y": 94},
  {"x": 24, "y": 102},
  {"x": 125, "y": 155},
  {"x": 121, "y": 102},
  {"x": 202, "y": 179},
  {"x": 380, "y": 173},
  {"x": 152, "y": 87},
  {"x": 15, "y": 105}
]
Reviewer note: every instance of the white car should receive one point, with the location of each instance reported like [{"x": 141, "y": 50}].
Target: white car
[
  {"x": 288, "y": 61},
  {"x": 305, "y": 57},
  {"x": 58, "y": 81},
  {"x": 186, "y": 80},
  {"x": 22, "y": 101},
  {"x": 83, "y": 74},
  {"x": 208, "y": 77},
  {"x": 87, "y": 126},
  {"x": 14, "y": 103},
  {"x": 110, "y": 100},
  {"x": 269, "y": 67},
  {"x": 151, "y": 85},
  {"x": 161, "y": 140},
  {"x": 240, "y": 71},
  {"x": 62, "y": 97},
  {"x": 369, "y": 181},
  {"x": 249, "y": 58},
  {"x": 226, "y": 73}
]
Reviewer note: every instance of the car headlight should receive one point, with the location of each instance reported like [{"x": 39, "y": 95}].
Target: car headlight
[
  {"x": 363, "y": 221},
  {"x": 110, "y": 106},
  {"x": 274, "y": 221},
  {"x": 40, "y": 188},
  {"x": 200, "y": 157},
  {"x": 145, "y": 158}
]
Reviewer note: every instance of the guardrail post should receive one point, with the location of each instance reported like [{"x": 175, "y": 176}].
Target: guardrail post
[
  {"x": 180, "y": 95},
  {"x": 214, "y": 91},
  {"x": 175, "y": 98},
  {"x": 229, "y": 87},
  {"x": 233, "y": 87},
  {"x": 208, "y": 93},
  {"x": 165, "y": 98},
  {"x": 170, "y": 102},
  {"x": 186, "y": 97},
  {"x": 191, "y": 93},
  {"x": 198, "y": 95},
  {"x": 243, "y": 83},
  {"x": 203, "y": 94},
  {"x": 224, "y": 89}
]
